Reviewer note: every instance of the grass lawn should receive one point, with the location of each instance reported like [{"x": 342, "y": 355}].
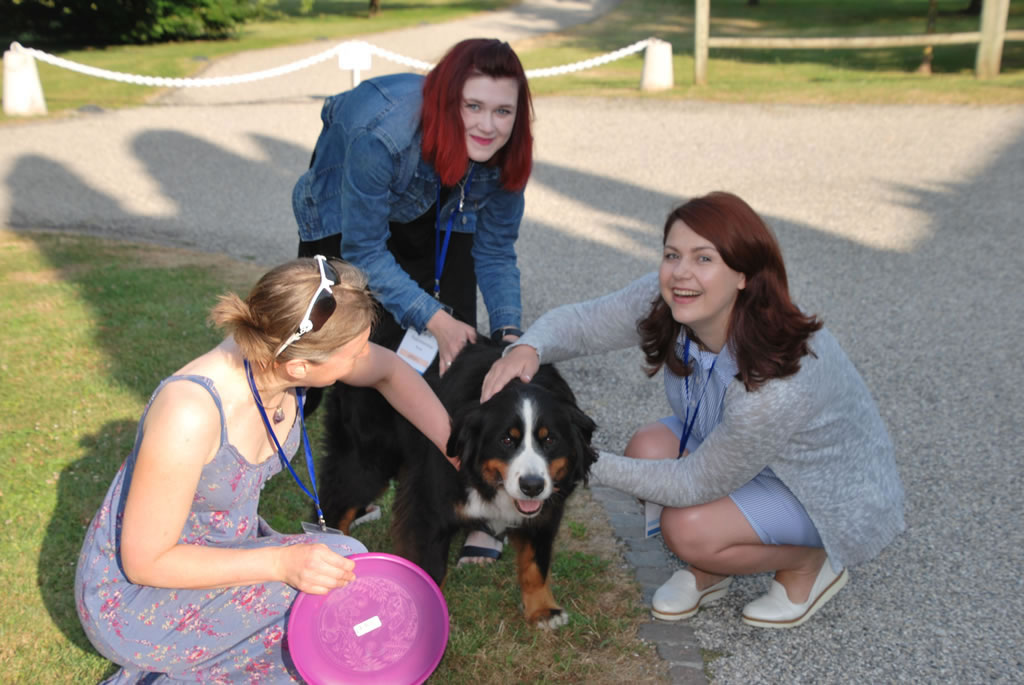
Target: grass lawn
[
  {"x": 90, "y": 328},
  {"x": 796, "y": 76}
]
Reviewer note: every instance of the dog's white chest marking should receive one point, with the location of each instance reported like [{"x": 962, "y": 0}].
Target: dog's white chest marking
[{"x": 501, "y": 512}]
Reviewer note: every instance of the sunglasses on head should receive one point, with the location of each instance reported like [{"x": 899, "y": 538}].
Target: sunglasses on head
[{"x": 320, "y": 307}]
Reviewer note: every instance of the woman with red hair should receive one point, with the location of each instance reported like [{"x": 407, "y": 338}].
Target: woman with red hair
[
  {"x": 788, "y": 466},
  {"x": 419, "y": 181}
]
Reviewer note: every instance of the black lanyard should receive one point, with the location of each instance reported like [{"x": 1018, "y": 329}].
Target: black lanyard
[{"x": 299, "y": 392}]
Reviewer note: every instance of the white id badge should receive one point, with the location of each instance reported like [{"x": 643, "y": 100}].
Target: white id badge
[
  {"x": 652, "y": 519},
  {"x": 314, "y": 529},
  {"x": 418, "y": 349}
]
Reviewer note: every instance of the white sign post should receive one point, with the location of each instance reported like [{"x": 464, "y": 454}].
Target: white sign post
[{"x": 355, "y": 57}]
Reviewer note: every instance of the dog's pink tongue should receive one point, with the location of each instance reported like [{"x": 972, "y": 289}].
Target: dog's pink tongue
[{"x": 528, "y": 506}]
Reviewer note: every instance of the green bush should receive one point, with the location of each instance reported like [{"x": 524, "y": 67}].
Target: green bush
[{"x": 116, "y": 22}]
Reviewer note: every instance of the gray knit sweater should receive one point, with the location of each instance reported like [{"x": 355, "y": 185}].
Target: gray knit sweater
[{"x": 819, "y": 430}]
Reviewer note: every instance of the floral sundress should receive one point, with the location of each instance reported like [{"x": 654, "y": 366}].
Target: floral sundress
[{"x": 225, "y": 635}]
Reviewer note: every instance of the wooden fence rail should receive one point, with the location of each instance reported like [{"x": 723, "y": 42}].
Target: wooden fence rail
[{"x": 990, "y": 40}]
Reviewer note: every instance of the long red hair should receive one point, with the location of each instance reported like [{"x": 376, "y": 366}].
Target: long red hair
[
  {"x": 444, "y": 135},
  {"x": 767, "y": 332}
]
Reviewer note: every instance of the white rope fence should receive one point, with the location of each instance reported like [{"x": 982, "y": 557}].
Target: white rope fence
[
  {"x": 346, "y": 49},
  {"x": 23, "y": 92}
]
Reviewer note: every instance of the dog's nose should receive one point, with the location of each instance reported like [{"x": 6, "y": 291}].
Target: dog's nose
[{"x": 531, "y": 486}]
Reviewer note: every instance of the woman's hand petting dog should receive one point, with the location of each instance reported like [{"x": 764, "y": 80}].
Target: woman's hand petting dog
[{"x": 520, "y": 362}]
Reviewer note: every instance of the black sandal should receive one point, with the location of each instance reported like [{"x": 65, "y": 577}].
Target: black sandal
[{"x": 478, "y": 552}]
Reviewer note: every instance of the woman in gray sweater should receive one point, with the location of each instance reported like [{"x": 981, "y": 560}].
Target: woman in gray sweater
[{"x": 788, "y": 466}]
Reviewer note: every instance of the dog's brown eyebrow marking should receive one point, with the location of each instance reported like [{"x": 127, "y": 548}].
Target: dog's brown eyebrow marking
[
  {"x": 559, "y": 468},
  {"x": 543, "y": 432},
  {"x": 514, "y": 432},
  {"x": 494, "y": 470}
]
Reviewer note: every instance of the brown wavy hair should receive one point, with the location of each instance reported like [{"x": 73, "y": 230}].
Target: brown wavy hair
[
  {"x": 767, "y": 333},
  {"x": 444, "y": 133},
  {"x": 273, "y": 309}
]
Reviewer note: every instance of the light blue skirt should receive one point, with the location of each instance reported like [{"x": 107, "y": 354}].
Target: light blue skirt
[{"x": 770, "y": 507}]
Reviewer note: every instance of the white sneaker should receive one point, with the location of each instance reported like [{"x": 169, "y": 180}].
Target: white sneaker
[
  {"x": 679, "y": 598},
  {"x": 775, "y": 610}
]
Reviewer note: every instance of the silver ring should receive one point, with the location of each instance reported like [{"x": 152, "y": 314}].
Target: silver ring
[{"x": 447, "y": 363}]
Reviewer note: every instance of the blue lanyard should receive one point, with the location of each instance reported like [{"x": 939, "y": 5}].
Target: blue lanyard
[
  {"x": 441, "y": 251},
  {"x": 299, "y": 393},
  {"x": 688, "y": 421}
]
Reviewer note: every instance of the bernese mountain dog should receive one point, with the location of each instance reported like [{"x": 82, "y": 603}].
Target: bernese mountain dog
[{"x": 522, "y": 453}]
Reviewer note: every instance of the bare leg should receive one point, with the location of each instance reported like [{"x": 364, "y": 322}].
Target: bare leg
[
  {"x": 716, "y": 540},
  {"x": 653, "y": 441}
]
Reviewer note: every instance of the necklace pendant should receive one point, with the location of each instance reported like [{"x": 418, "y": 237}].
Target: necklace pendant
[{"x": 279, "y": 415}]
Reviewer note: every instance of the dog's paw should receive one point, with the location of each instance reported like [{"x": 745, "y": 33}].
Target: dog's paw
[{"x": 550, "y": 619}]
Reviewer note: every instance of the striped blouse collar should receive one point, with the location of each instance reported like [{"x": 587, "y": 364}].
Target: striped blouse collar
[{"x": 726, "y": 367}]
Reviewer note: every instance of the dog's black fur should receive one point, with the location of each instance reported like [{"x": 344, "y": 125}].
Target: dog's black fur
[{"x": 502, "y": 461}]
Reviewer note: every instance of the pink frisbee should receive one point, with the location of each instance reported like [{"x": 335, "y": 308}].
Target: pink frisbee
[{"x": 390, "y": 625}]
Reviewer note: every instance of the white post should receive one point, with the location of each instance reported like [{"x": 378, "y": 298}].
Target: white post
[
  {"x": 701, "y": 31},
  {"x": 23, "y": 93},
  {"x": 354, "y": 55},
  {"x": 657, "y": 74},
  {"x": 993, "y": 34}
]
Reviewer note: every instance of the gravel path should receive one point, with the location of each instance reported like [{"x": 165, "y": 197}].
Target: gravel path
[{"x": 901, "y": 225}]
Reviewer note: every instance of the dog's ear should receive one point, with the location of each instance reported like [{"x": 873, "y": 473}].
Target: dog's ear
[
  {"x": 464, "y": 441},
  {"x": 583, "y": 428}
]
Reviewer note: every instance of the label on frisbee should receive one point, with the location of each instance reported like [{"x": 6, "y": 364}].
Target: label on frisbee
[{"x": 367, "y": 625}]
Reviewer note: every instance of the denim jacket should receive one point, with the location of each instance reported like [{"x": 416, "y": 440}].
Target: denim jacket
[{"x": 368, "y": 171}]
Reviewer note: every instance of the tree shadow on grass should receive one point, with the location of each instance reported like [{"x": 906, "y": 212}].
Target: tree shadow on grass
[{"x": 80, "y": 490}]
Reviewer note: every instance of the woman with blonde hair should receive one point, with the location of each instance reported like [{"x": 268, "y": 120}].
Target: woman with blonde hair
[{"x": 179, "y": 575}]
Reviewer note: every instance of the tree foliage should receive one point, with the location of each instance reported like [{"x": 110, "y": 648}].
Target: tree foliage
[{"x": 107, "y": 22}]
